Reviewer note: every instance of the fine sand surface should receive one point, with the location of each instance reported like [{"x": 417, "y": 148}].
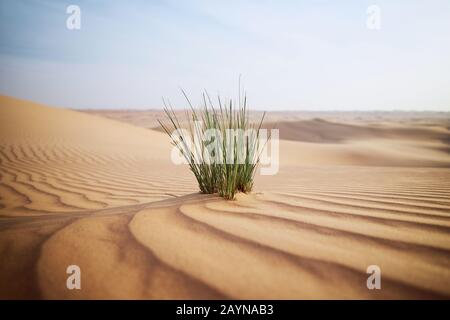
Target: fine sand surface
[{"x": 79, "y": 188}]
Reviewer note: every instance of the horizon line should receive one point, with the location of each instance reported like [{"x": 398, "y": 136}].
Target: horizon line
[{"x": 134, "y": 109}]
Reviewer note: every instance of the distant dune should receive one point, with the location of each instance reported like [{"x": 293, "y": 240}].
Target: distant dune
[
  {"x": 322, "y": 131},
  {"x": 85, "y": 189}
]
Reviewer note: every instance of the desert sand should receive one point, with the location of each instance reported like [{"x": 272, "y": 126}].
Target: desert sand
[{"x": 101, "y": 193}]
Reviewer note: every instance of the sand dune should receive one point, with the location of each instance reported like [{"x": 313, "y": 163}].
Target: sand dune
[
  {"x": 322, "y": 131},
  {"x": 356, "y": 141},
  {"x": 81, "y": 189}
]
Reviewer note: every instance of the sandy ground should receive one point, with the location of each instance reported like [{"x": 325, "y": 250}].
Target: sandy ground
[{"x": 79, "y": 188}]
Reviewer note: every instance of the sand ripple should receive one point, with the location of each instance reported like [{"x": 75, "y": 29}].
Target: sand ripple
[{"x": 78, "y": 189}]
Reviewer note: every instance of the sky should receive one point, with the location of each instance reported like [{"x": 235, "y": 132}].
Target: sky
[{"x": 291, "y": 55}]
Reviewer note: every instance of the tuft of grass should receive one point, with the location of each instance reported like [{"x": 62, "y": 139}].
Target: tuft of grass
[{"x": 224, "y": 163}]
